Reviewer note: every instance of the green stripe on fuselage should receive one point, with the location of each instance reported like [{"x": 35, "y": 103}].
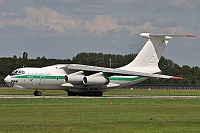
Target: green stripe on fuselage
[
  {"x": 125, "y": 78},
  {"x": 62, "y": 77},
  {"x": 38, "y": 76}
]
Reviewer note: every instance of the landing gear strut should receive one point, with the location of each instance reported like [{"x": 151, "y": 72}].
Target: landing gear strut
[{"x": 37, "y": 93}]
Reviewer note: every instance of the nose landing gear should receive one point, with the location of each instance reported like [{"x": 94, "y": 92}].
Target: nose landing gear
[{"x": 37, "y": 93}]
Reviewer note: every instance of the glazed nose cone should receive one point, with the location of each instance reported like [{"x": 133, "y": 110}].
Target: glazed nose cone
[{"x": 7, "y": 79}]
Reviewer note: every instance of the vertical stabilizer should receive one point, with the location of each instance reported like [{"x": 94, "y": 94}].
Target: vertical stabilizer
[{"x": 148, "y": 58}]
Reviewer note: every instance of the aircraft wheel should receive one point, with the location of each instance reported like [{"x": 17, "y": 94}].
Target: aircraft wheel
[
  {"x": 98, "y": 93},
  {"x": 83, "y": 94},
  {"x": 86, "y": 93},
  {"x": 71, "y": 93},
  {"x": 91, "y": 93},
  {"x": 37, "y": 93}
]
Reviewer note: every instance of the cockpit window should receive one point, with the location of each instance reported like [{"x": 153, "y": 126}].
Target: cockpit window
[{"x": 17, "y": 72}]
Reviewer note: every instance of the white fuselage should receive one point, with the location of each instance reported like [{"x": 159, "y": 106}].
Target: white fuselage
[{"x": 51, "y": 78}]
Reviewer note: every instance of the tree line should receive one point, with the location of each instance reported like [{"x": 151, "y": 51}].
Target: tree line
[{"x": 191, "y": 75}]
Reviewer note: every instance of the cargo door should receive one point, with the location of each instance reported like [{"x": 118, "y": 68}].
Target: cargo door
[{"x": 42, "y": 80}]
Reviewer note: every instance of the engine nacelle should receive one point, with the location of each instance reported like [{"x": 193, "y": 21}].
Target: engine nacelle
[
  {"x": 74, "y": 78},
  {"x": 95, "y": 80}
]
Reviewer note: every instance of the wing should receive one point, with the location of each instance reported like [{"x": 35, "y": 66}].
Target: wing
[{"x": 112, "y": 71}]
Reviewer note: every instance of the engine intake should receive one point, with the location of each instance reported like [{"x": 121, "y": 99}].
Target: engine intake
[{"x": 95, "y": 80}]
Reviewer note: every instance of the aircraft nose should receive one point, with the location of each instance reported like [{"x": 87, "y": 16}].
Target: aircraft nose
[{"x": 7, "y": 79}]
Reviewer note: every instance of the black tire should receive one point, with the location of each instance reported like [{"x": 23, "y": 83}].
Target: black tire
[
  {"x": 98, "y": 93},
  {"x": 37, "y": 93},
  {"x": 72, "y": 93},
  {"x": 86, "y": 93},
  {"x": 91, "y": 93}
]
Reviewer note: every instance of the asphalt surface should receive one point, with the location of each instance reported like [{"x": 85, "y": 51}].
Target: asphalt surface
[{"x": 105, "y": 96}]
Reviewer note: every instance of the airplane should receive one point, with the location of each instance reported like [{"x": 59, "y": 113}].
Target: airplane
[{"x": 85, "y": 80}]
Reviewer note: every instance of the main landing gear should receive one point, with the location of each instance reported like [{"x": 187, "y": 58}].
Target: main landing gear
[
  {"x": 37, "y": 93},
  {"x": 86, "y": 93}
]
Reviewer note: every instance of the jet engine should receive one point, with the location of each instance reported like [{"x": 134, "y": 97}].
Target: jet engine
[
  {"x": 74, "y": 78},
  {"x": 95, "y": 80}
]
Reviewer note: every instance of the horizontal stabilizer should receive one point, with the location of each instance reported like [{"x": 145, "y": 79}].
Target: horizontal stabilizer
[
  {"x": 163, "y": 76},
  {"x": 167, "y": 36},
  {"x": 179, "y": 78}
]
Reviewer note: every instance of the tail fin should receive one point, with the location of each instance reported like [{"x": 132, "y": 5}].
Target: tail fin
[{"x": 149, "y": 56}]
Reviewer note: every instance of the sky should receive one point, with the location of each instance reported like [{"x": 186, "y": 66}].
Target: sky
[{"x": 63, "y": 28}]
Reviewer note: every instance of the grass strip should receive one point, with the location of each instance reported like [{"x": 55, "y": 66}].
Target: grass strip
[{"x": 97, "y": 115}]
